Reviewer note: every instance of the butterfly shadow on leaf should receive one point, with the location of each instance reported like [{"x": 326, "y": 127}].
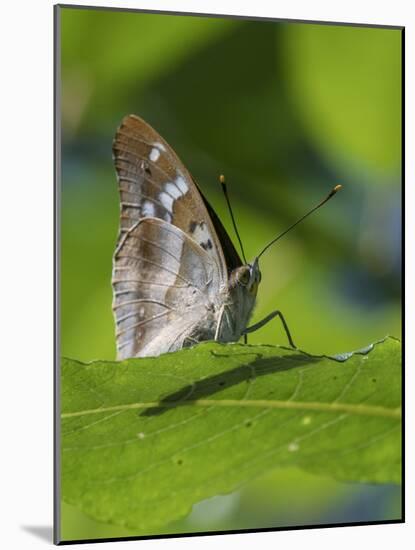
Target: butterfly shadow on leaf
[{"x": 247, "y": 372}]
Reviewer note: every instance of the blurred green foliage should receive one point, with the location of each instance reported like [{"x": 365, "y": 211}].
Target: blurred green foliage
[
  {"x": 347, "y": 87},
  {"x": 285, "y": 110}
]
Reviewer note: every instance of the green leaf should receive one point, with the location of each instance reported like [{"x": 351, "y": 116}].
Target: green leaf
[{"x": 145, "y": 439}]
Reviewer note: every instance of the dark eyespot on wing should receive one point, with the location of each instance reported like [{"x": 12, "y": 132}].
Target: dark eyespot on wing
[
  {"x": 200, "y": 233},
  {"x": 207, "y": 245}
]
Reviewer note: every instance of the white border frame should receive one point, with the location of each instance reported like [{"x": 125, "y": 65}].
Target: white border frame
[{"x": 27, "y": 275}]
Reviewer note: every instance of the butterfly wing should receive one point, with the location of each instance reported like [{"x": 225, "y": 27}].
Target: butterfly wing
[
  {"x": 167, "y": 232},
  {"x": 163, "y": 284},
  {"x": 153, "y": 182}
]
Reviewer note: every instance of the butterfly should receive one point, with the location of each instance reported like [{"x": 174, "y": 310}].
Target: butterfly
[{"x": 177, "y": 278}]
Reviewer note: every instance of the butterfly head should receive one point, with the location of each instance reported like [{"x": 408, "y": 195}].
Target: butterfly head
[{"x": 248, "y": 277}]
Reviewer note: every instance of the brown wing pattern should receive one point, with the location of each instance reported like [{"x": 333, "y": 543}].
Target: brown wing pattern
[{"x": 153, "y": 182}]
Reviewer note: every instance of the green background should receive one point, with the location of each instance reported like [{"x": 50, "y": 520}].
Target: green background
[{"x": 285, "y": 111}]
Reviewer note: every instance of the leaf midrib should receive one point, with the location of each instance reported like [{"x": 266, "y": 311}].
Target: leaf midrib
[{"x": 348, "y": 408}]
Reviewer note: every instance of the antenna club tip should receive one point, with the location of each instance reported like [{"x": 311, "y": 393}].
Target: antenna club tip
[
  {"x": 222, "y": 178},
  {"x": 337, "y": 188}
]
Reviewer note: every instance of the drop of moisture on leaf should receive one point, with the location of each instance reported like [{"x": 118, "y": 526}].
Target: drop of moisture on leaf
[
  {"x": 345, "y": 356},
  {"x": 292, "y": 447}
]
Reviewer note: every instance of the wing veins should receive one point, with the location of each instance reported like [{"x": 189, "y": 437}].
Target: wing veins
[
  {"x": 163, "y": 172},
  {"x": 141, "y": 140},
  {"x": 135, "y": 313},
  {"x": 201, "y": 251},
  {"x": 141, "y": 323},
  {"x": 140, "y": 301},
  {"x": 162, "y": 268},
  {"x": 159, "y": 247},
  {"x": 125, "y": 291},
  {"x": 142, "y": 196}
]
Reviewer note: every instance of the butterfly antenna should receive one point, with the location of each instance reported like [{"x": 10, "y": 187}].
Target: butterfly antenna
[
  {"x": 228, "y": 202},
  {"x": 329, "y": 196}
]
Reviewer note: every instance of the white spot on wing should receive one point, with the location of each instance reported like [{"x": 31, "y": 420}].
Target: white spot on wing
[
  {"x": 159, "y": 146},
  {"x": 201, "y": 233},
  {"x": 172, "y": 190},
  {"x": 154, "y": 154},
  {"x": 181, "y": 184},
  {"x": 148, "y": 209},
  {"x": 167, "y": 201}
]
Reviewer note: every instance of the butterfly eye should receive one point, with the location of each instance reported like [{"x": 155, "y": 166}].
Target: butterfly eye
[{"x": 243, "y": 277}]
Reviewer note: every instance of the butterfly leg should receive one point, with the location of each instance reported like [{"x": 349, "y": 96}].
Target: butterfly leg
[
  {"x": 218, "y": 326},
  {"x": 266, "y": 320}
]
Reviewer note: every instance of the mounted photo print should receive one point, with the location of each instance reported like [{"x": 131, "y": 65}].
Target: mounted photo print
[{"x": 228, "y": 274}]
